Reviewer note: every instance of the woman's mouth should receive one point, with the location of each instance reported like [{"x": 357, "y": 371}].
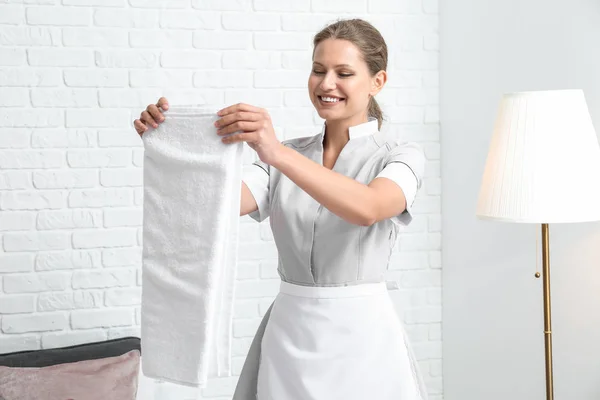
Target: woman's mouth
[{"x": 330, "y": 100}]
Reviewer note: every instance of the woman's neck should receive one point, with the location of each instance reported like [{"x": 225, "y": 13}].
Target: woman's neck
[{"x": 337, "y": 133}]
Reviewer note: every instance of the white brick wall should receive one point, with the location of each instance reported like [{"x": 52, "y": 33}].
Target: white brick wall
[{"x": 74, "y": 74}]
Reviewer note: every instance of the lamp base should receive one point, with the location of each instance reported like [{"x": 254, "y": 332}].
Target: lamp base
[{"x": 547, "y": 310}]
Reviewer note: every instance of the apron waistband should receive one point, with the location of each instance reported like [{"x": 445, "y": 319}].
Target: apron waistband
[{"x": 325, "y": 292}]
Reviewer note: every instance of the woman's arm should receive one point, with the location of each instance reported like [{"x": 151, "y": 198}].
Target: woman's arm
[
  {"x": 247, "y": 203},
  {"x": 350, "y": 200}
]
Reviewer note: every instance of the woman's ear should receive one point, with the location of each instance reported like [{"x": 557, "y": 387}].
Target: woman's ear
[{"x": 378, "y": 82}]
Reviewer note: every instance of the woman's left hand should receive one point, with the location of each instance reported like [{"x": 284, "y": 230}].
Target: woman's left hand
[{"x": 255, "y": 128}]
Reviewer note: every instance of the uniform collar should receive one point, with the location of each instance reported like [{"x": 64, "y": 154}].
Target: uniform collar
[{"x": 366, "y": 128}]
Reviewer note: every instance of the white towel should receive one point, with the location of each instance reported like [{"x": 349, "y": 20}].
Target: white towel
[{"x": 192, "y": 184}]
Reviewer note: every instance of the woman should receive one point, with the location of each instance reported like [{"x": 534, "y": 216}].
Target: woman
[{"x": 335, "y": 202}]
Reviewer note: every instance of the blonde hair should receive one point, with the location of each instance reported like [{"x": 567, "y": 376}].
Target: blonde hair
[{"x": 371, "y": 45}]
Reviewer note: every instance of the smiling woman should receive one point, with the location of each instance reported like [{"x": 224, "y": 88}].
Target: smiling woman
[
  {"x": 335, "y": 201},
  {"x": 332, "y": 331},
  {"x": 361, "y": 72}
]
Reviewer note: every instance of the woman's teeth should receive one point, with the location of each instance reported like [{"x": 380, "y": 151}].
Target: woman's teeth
[{"x": 330, "y": 99}]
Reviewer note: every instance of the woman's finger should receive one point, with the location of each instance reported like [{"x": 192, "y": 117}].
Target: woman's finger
[
  {"x": 147, "y": 119},
  {"x": 240, "y": 137},
  {"x": 243, "y": 126},
  {"x": 156, "y": 113},
  {"x": 139, "y": 127},
  {"x": 162, "y": 104},
  {"x": 237, "y": 116},
  {"x": 238, "y": 107}
]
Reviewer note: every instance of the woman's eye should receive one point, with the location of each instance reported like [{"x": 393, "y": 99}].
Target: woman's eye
[{"x": 321, "y": 73}]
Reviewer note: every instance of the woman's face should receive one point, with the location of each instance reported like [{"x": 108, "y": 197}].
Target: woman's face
[{"x": 340, "y": 82}]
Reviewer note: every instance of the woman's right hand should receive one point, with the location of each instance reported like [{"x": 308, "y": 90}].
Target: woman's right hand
[{"x": 152, "y": 116}]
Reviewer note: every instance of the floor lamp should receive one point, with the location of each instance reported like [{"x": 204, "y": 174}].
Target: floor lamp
[{"x": 543, "y": 167}]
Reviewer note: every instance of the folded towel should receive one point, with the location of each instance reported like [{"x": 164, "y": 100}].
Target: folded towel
[{"x": 192, "y": 184}]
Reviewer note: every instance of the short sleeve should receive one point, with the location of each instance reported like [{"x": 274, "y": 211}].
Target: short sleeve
[
  {"x": 405, "y": 165},
  {"x": 256, "y": 177}
]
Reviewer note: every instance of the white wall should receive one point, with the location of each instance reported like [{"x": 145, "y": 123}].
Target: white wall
[
  {"x": 492, "y": 304},
  {"x": 73, "y": 76}
]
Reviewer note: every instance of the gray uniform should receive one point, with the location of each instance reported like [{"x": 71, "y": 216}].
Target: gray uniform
[{"x": 315, "y": 246}]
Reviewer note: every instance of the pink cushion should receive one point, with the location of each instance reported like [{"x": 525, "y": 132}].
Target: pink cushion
[{"x": 104, "y": 378}]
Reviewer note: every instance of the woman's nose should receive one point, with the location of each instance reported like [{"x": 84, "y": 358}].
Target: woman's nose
[{"x": 328, "y": 82}]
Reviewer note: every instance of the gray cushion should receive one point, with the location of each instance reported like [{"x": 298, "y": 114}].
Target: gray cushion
[{"x": 62, "y": 355}]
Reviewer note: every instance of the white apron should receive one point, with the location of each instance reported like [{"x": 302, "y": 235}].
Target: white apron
[{"x": 329, "y": 343}]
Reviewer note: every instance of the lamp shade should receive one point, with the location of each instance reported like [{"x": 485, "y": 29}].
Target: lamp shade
[{"x": 543, "y": 164}]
